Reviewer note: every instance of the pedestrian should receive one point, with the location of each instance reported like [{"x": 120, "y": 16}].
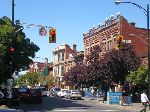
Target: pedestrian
[{"x": 144, "y": 101}]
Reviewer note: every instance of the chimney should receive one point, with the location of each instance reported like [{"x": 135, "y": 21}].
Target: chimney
[
  {"x": 46, "y": 60},
  {"x": 132, "y": 23},
  {"x": 74, "y": 48}
]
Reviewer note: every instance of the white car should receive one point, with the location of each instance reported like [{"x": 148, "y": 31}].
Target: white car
[
  {"x": 73, "y": 94},
  {"x": 62, "y": 93}
]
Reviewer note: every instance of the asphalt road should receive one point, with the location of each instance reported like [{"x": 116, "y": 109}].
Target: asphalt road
[{"x": 54, "y": 104}]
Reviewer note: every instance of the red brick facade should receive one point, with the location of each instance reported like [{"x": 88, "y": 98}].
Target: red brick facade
[
  {"x": 38, "y": 66},
  {"x": 105, "y": 36}
]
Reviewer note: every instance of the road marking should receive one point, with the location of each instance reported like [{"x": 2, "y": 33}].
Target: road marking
[
  {"x": 67, "y": 110},
  {"x": 84, "y": 110}
]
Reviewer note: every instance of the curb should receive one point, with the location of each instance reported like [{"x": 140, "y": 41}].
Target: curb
[{"x": 126, "y": 107}]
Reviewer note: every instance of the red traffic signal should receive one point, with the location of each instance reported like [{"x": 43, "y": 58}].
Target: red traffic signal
[
  {"x": 52, "y": 35},
  {"x": 119, "y": 41},
  {"x": 12, "y": 49}
]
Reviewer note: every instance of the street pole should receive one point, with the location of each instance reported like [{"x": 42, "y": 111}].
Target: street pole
[
  {"x": 146, "y": 12},
  {"x": 148, "y": 49},
  {"x": 13, "y": 5}
]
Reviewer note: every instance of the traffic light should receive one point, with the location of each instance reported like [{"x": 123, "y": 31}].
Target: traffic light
[
  {"x": 52, "y": 35},
  {"x": 119, "y": 41},
  {"x": 12, "y": 50}
]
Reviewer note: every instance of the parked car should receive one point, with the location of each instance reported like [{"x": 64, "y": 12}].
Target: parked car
[
  {"x": 33, "y": 95},
  {"x": 22, "y": 92},
  {"x": 15, "y": 96},
  {"x": 73, "y": 94},
  {"x": 62, "y": 93},
  {"x": 54, "y": 91},
  {"x": 45, "y": 91}
]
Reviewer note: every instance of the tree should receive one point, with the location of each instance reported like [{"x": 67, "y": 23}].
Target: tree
[
  {"x": 120, "y": 62},
  {"x": 28, "y": 79},
  {"x": 93, "y": 73},
  {"x": 48, "y": 79},
  {"x": 24, "y": 49},
  {"x": 114, "y": 66},
  {"x": 75, "y": 76},
  {"x": 32, "y": 78},
  {"x": 21, "y": 81},
  {"x": 140, "y": 76}
]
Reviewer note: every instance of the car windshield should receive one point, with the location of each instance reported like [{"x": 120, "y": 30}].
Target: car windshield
[
  {"x": 43, "y": 89},
  {"x": 22, "y": 89},
  {"x": 75, "y": 91},
  {"x": 64, "y": 91},
  {"x": 56, "y": 89},
  {"x": 35, "y": 91}
]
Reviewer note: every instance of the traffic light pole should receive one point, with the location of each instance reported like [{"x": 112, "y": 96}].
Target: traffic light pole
[
  {"x": 146, "y": 12},
  {"x": 13, "y": 5}
]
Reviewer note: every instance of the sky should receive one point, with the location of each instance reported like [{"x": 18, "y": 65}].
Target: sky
[{"x": 70, "y": 18}]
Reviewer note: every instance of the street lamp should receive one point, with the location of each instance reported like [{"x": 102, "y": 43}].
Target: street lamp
[{"x": 146, "y": 12}]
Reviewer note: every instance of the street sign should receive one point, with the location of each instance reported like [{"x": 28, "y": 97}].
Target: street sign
[
  {"x": 126, "y": 41},
  {"x": 42, "y": 32}
]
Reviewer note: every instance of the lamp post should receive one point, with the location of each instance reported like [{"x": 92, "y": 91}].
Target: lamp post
[
  {"x": 146, "y": 12},
  {"x": 13, "y": 5}
]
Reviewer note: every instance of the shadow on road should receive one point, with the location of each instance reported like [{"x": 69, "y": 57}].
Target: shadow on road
[{"x": 49, "y": 104}]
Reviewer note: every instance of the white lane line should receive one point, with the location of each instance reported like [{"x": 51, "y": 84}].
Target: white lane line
[
  {"x": 84, "y": 110},
  {"x": 66, "y": 110}
]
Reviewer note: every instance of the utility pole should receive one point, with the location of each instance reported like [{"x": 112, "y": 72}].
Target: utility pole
[
  {"x": 13, "y": 5},
  {"x": 146, "y": 12}
]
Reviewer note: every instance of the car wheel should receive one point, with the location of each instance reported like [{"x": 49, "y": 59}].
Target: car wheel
[
  {"x": 70, "y": 98},
  {"x": 79, "y": 98}
]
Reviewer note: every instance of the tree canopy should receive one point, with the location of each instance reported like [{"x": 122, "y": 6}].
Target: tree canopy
[
  {"x": 140, "y": 76},
  {"x": 24, "y": 49},
  {"x": 29, "y": 79},
  {"x": 114, "y": 66}
]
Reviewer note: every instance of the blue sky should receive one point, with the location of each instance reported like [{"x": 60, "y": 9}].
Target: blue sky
[{"x": 70, "y": 17}]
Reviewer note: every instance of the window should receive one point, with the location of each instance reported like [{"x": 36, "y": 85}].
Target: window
[
  {"x": 58, "y": 57},
  {"x": 62, "y": 56},
  {"x": 62, "y": 69},
  {"x": 58, "y": 70}
]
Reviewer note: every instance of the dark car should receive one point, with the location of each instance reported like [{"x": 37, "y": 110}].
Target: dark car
[
  {"x": 15, "y": 96},
  {"x": 33, "y": 95},
  {"x": 22, "y": 92}
]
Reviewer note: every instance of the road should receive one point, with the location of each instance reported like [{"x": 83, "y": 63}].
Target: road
[{"x": 54, "y": 104}]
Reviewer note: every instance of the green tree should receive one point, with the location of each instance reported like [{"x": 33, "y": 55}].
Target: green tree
[
  {"x": 48, "y": 79},
  {"x": 140, "y": 76},
  {"x": 21, "y": 81},
  {"x": 32, "y": 78},
  {"x": 24, "y": 49},
  {"x": 28, "y": 79}
]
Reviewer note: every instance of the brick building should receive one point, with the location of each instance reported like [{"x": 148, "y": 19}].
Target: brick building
[
  {"x": 39, "y": 67},
  {"x": 61, "y": 54},
  {"x": 105, "y": 36},
  {"x": 73, "y": 60}
]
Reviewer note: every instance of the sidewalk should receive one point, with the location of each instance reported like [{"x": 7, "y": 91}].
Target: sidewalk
[
  {"x": 134, "y": 106},
  {"x": 3, "y": 106}
]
